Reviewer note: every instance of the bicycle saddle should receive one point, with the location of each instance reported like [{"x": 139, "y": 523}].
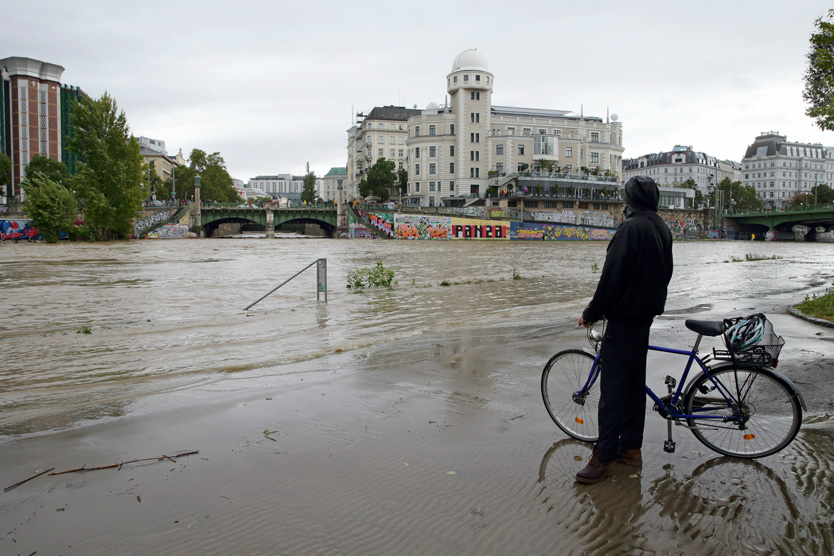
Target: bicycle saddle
[{"x": 706, "y": 327}]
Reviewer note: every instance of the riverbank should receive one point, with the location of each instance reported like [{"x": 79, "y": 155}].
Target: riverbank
[{"x": 436, "y": 445}]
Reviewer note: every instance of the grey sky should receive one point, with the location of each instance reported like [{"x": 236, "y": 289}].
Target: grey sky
[{"x": 271, "y": 86}]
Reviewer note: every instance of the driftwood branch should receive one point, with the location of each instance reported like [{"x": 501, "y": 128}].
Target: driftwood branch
[
  {"x": 8, "y": 488},
  {"x": 120, "y": 464}
]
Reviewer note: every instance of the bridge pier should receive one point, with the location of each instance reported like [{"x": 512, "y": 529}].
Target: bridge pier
[{"x": 270, "y": 224}]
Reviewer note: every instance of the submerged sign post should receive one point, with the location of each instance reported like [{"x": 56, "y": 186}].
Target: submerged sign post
[
  {"x": 321, "y": 282},
  {"x": 321, "y": 279}
]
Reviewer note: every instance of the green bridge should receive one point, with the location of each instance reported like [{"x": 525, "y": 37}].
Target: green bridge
[
  {"x": 760, "y": 222},
  {"x": 211, "y": 217}
]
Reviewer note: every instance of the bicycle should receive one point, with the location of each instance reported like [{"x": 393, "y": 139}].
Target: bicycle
[{"x": 737, "y": 404}]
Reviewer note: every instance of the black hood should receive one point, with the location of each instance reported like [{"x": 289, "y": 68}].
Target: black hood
[{"x": 641, "y": 193}]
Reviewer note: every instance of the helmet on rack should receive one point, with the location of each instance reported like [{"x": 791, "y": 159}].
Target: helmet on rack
[{"x": 745, "y": 333}]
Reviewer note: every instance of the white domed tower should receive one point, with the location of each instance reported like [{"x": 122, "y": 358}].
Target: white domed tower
[{"x": 470, "y": 88}]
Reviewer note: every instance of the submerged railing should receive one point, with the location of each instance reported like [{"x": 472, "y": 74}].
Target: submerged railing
[{"x": 321, "y": 282}]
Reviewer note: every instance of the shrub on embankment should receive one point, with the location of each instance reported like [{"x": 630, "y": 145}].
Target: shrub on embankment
[{"x": 819, "y": 306}]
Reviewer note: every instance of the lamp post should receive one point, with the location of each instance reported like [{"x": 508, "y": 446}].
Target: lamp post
[{"x": 197, "y": 189}]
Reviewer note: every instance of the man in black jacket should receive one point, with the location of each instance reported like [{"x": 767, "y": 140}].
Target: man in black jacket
[{"x": 630, "y": 293}]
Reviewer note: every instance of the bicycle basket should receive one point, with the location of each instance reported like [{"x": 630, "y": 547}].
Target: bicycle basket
[{"x": 751, "y": 342}]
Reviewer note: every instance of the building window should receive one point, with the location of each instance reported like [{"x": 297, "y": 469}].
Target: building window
[
  {"x": 416, "y": 169},
  {"x": 499, "y": 167},
  {"x": 400, "y": 141},
  {"x": 452, "y": 129},
  {"x": 392, "y": 153},
  {"x": 393, "y": 141},
  {"x": 381, "y": 140},
  {"x": 477, "y": 78},
  {"x": 452, "y": 150},
  {"x": 594, "y": 137},
  {"x": 499, "y": 149},
  {"x": 451, "y": 186},
  {"x": 521, "y": 149},
  {"x": 381, "y": 153},
  {"x": 417, "y": 187},
  {"x": 431, "y": 186},
  {"x": 432, "y": 152},
  {"x": 466, "y": 78},
  {"x": 417, "y": 131},
  {"x": 474, "y": 172},
  {"x": 432, "y": 168},
  {"x": 451, "y": 167},
  {"x": 416, "y": 152},
  {"x": 527, "y": 131},
  {"x": 475, "y": 117},
  {"x": 521, "y": 166},
  {"x": 595, "y": 158},
  {"x": 400, "y": 153},
  {"x": 510, "y": 130},
  {"x": 475, "y": 137},
  {"x": 474, "y": 95},
  {"x": 475, "y": 155},
  {"x": 432, "y": 130}
]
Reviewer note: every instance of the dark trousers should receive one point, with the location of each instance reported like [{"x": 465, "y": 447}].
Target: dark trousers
[{"x": 622, "y": 403}]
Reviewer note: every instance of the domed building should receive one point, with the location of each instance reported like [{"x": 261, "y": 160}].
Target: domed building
[{"x": 470, "y": 151}]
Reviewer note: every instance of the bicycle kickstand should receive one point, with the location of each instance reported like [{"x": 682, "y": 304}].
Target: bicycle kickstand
[{"x": 669, "y": 444}]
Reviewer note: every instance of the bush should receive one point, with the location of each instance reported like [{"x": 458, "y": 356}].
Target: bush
[
  {"x": 375, "y": 276},
  {"x": 821, "y": 307}
]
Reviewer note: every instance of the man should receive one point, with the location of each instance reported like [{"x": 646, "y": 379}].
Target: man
[{"x": 630, "y": 293}]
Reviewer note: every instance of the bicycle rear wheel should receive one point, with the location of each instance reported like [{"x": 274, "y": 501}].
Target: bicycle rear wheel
[
  {"x": 572, "y": 407},
  {"x": 769, "y": 411}
]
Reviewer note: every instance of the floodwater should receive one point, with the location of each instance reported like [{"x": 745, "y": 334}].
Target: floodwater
[{"x": 92, "y": 333}]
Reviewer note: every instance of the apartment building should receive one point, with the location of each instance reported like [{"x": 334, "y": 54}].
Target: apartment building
[
  {"x": 681, "y": 164},
  {"x": 779, "y": 169},
  {"x": 379, "y": 134},
  {"x": 331, "y": 182}
]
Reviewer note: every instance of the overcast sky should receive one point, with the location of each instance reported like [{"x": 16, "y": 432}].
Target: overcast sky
[{"x": 274, "y": 85}]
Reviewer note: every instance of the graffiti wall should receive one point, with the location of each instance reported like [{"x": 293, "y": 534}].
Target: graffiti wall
[
  {"x": 419, "y": 226},
  {"x": 557, "y": 232},
  {"x": 170, "y": 231},
  {"x": 17, "y": 230},
  {"x": 160, "y": 216},
  {"x": 468, "y": 228},
  {"x": 383, "y": 221}
]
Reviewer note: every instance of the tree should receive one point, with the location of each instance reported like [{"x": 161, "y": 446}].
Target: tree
[
  {"x": 51, "y": 169},
  {"x": 110, "y": 179},
  {"x": 215, "y": 181},
  {"x": 403, "y": 175},
  {"x": 738, "y": 197},
  {"x": 379, "y": 181},
  {"x": 309, "y": 192},
  {"x": 5, "y": 174},
  {"x": 51, "y": 206},
  {"x": 819, "y": 77},
  {"x": 690, "y": 184},
  {"x": 153, "y": 183},
  {"x": 546, "y": 165},
  {"x": 820, "y": 194}
]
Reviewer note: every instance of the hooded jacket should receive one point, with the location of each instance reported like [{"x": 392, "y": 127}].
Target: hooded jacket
[{"x": 638, "y": 262}]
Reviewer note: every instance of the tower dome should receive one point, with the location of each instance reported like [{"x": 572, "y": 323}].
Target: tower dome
[{"x": 470, "y": 59}]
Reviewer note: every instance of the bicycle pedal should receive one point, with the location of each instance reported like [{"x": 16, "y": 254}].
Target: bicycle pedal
[{"x": 669, "y": 446}]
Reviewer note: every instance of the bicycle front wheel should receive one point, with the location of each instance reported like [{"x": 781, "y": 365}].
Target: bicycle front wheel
[
  {"x": 748, "y": 413},
  {"x": 570, "y": 401}
]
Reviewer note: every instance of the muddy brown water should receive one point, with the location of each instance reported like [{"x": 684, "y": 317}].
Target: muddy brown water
[{"x": 405, "y": 421}]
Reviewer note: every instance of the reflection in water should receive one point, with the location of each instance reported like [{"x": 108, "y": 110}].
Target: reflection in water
[{"x": 779, "y": 505}]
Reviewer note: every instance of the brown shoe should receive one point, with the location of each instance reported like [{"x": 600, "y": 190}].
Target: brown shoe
[
  {"x": 595, "y": 471},
  {"x": 633, "y": 457}
]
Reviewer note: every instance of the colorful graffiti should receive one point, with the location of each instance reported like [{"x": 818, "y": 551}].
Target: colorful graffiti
[
  {"x": 16, "y": 230},
  {"x": 415, "y": 226},
  {"x": 555, "y": 232},
  {"x": 383, "y": 222},
  {"x": 170, "y": 231},
  {"x": 479, "y": 229},
  {"x": 153, "y": 220}
]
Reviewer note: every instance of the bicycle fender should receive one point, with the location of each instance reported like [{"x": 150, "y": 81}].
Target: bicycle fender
[{"x": 773, "y": 372}]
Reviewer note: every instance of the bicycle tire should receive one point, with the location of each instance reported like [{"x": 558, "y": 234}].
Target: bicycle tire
[
  {"x": 771, "y": 410},
  {"x": 563, "y": 375}
]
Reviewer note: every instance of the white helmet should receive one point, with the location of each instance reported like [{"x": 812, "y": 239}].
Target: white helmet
[{"x": 745, "y": 333}]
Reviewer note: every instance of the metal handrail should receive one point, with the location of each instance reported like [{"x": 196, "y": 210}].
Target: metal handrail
[{"x": 321, "y": 282}]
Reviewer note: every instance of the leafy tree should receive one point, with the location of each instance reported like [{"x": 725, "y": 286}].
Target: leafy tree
[
  {"x": 819, "y": 77},
  {"x": 309, "y": 192},
  {"x": 215, "y": 181},
  {"x": 690, "y": 184},
  {"x": 379, "y": 181},
  {"x": 820, "y": 194},
  {"x": 51, "y": 206},
  {"x": 51, "y": 169},
  {"x": 738, "y": 197},
  {"x": 110, "y": 179},
  {"x": 5, "y": 174},
  {"x": 403, "y": 175},
  {"x": 545, "y": 165},
  {"x": 153, "y": 183}
]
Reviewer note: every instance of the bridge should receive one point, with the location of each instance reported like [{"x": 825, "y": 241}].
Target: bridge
[
  {"x": 269, "y": 216},
  {"x": 783, "y": 220}
]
